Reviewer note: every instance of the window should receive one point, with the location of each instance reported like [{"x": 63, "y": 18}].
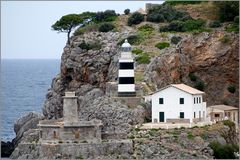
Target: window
[
  {"x": 194, "y": 100},
  {"x": 160, "y": 100},
  {"x": 194, "y": 114},
  {"x": 217, "y": 115},
  {"x": 126, "y": 80},
  {"x": 181, "y": 114},
  {"x": 199, "y": 99},
  {"x": 126, "y": 65},
  {"x": 181, "y": 100}
]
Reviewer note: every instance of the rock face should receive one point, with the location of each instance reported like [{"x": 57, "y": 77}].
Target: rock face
[
  {"x": 206, "y": 55},
  {"x": 25, "y": 123}
]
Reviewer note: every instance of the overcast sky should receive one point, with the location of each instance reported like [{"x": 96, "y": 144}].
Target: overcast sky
[{"x": 26, "y": 25}]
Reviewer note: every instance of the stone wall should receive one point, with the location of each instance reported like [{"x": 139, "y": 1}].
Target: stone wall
[
  {"x": 123, "y": 148},
  {"x": 178, "y": 120}
]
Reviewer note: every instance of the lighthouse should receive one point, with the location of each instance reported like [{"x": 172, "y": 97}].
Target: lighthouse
[{"x": 126, "y": 85}]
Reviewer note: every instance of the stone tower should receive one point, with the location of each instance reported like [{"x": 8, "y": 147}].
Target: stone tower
[
  {"x": 70, "y": 113},
  {"x": 126, "y": 85}
]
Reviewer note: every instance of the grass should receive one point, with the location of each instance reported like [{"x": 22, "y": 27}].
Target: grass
[
  {"x": 143, "y": 58},
  {"x": 146, "y": 30},
  {"x": 190, "y": 136},
  {"x": 232, "y": 28},
  {"x": 162, "y": 45},
  {"x": 138, "y": 76},
  {"x": 137, "y": 51}
]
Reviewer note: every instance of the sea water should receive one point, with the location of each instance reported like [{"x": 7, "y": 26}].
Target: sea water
[{"x": 24, "y": 84}]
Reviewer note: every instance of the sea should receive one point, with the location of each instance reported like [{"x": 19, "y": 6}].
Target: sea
[{"x": 24, "y": 84}]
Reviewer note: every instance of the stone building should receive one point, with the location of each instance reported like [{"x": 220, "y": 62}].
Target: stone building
[{"x": 70, "y": 128}]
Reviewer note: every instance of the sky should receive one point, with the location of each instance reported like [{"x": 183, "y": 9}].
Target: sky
[{"x": 26, "y": 25}]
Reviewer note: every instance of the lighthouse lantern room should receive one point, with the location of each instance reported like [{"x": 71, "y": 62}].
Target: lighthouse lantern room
[{"x": 126, "y": 85}]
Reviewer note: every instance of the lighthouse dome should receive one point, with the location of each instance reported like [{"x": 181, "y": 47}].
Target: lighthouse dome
[{"x": 126, "y": 47}]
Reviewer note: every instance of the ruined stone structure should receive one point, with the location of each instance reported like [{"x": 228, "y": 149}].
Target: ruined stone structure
[{"x": 70, "y": 129}]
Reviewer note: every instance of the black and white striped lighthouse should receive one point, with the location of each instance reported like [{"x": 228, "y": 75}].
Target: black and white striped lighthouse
[{"x": 126, "y": 85}]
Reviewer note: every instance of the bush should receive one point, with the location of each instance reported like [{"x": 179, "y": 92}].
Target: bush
[
  {"x": 126, "y": 11},
  {"x": 232, "y": 28},
  {"x": 105, "y": 27},
  {"x": 106, "y": 16},
  {"x": 225, "y": 151},
  {"x": 190, "y": 136},
  {"x": 174, "y": 2},
  {"x": 162, "y": 45},
  {"x": 132, "y": 39},
  {"x": 231, "y": 89},
  {"x": 191, "y": 25},
  {"x": 88, "y": 28},
  {"x": 200, "y": 86},
  {"x": 166, "y": 13},
  {"x": 179, "y": 26},
  {"x": 214, "y": 24},
  {"x": 135, "y": 18},
  {"x": 137, "y": 51},
  {"x": 175, "y": 40},
  {"x": 236, "y": 20},
  {"x": 155, "y": 18},
  {"x": 192, "y": 76},
  {"x": 146, "y": 30},
  {"x": 143, "y": 58},
  {"x": 228, "y": 10},
  {"x": 89, "y": 46}
]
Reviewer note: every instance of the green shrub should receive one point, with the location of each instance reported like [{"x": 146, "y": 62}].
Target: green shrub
[
  {"x": 173, "y": 26},
  {"x": 143, "y": 58},
  {"x": 236, "y": 20},
  {"x": 105, "y": 27},
  {"x": 179, "y": 26},
  {"x": 137, "y": 51},
  {"x": 190, "y": 136},
  {"x": 162, "y": 45},
  {"x": 200, "y": 85},
  {"x": 227, "y": 10},
  {"x": 191, "y": 25},
  {"x": 174, "y": 2},
  {"x": 225, "y": 151},
  {"x": 146, "y": 28},
  {"x": 214, "y": 24},
  {"x": 89, "y": 46},
  {"x": 106, "y": 16},
  {"x": 229, "y": 123},
  {"x": 132, "y": 39},
  {"x": 175, "y": 39},
  {"x": 135, "y": 18},
  {"x": 192, "y": 76},
  {"x": 166, "y": 13},
  {"x": 232, "y": 28},
  {"x": 126, "y": 11},
  {"x": 231, "y": 89},
  {"x": 87, "y": 28}
]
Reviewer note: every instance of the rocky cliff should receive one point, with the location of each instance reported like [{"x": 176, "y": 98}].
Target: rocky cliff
[{"x": 210, "y": 57}]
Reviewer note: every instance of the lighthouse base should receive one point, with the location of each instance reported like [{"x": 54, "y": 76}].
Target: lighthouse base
[{"x": 126, "y": 94}]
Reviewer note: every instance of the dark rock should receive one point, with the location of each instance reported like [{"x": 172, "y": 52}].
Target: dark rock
[{"x": 6, "y": 149}]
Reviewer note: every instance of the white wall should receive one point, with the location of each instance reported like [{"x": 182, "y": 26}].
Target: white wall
[
  {"x": 199, "y": 107},
  {"x": 171, "y": 106},
  {"x": 126, "y": 87},
  {"x": 125, "y": 73}
]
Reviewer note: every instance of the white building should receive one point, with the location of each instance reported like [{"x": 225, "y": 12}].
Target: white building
[
  {"x": 126, "y": 85},
  {"x": 178, "y": 103}
]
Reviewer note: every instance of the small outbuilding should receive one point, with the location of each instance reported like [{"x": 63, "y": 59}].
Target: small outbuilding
[
  {"x": 178, "y": 103},
  {"x": 221, "y": 112}
]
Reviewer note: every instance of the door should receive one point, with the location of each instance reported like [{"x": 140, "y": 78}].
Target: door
[{"x": 161, "y": 116}]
